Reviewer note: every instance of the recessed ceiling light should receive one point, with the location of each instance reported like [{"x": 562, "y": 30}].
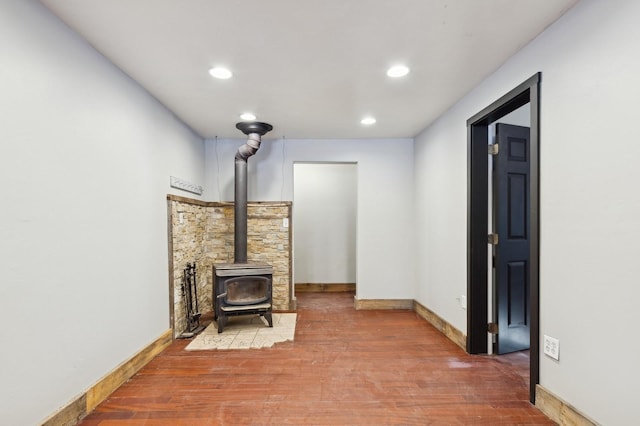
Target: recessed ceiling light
[
  {"x": 220, "y": 72},
  {"x": 247, "y": 116},
  {"x": 368, "y": 121},
  {"x": 398, "y": 71}
]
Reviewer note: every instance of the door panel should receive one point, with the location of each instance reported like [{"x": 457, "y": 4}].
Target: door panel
[
  {"x": 517, "y": 226},
  {"x": 517, "y": 294},
  {"x": 511, "y": 223}
]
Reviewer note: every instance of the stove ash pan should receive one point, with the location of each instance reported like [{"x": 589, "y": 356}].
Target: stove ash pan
[{"x": 242, "y": 289}]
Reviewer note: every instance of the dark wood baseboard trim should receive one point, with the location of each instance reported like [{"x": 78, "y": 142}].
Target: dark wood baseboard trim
[
  {"x": 558, "y": 410},
  {"x": 452, "y": 333},
  {"x": 324, "y": 287},
  {"x": 369, "y": 304},
  {"x": 76, "y": 410}
]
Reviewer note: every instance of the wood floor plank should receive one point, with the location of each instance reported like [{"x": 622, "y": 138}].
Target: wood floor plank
[{"x": 345, "y": 367}]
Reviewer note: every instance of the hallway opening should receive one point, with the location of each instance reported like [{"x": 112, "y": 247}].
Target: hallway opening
[{"x": 325, "y": 219}]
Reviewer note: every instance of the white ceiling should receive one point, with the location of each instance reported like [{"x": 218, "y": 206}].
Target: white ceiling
[{"x": 311, "y": 68}]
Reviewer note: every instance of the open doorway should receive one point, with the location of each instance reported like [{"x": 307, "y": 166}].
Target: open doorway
[
  {"x": 478, "y": 218},
  {"x": 508, "y": 257},
  {"x": 324, "y": 216}
]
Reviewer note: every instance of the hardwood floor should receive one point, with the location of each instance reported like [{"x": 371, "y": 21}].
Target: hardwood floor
[{"x": 345, "y": 367}]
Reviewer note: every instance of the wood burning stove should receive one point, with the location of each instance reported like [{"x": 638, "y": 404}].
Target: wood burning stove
[{"x": 243, "y": 288}]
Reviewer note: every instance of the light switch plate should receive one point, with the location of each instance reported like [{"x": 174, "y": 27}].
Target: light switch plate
[{"x": 551, "y": 347}]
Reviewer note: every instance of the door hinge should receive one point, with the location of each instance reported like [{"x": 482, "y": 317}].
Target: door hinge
[
  {"x": 494, "y": 149},
  {"x": 492, "y": 239},
  {"x": 492, "y": 328}
]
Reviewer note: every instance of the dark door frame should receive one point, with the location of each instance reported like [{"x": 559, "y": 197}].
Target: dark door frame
[{"x": 477, "y": 218}]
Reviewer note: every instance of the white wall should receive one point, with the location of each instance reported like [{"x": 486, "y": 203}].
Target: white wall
[
  {"x": 385, "y": 212},
  {"x": 85, "y": 160},
  {"x": 325, "y": 199},
  {"x": 590, "y": 209}
]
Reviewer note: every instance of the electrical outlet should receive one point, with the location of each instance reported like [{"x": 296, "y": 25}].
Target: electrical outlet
[
  {"x": 462, "y": 300},
  {"x": 551, "y": 347},
  {"x": 285, "y": 222}
]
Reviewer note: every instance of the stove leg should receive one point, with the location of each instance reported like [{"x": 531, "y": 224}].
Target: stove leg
[
  {"x": 222, "y": 321},
  {"x": 267, "y": 315}
]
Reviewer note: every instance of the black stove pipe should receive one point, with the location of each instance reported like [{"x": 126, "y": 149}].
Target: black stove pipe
[{"x": 254, "y": 131}]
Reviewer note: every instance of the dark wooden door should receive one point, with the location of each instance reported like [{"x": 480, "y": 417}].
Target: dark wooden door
[{"x": 511, "y": 223}]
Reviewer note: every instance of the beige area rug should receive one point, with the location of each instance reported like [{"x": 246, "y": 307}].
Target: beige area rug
[{"x": 246, "y": 332}]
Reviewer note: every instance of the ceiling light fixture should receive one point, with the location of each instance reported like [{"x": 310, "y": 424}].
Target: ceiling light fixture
[
  {"x": 398, "y": 71},
  {"x": 368, "y": 121},
  {"x": 220, "y": 72},
  {"x": 247, "y": 116}
]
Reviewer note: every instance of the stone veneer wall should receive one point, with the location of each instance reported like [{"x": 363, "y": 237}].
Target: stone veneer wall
[
  {"x": 187, "y": 231},
  {"x": 206, "y": 237}
]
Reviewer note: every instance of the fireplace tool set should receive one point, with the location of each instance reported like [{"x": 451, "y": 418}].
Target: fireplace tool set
[{"x": 190, "y": 295}]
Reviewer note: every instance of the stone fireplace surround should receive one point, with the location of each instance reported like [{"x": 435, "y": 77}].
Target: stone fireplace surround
[{"x": 202, "y": 232}]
